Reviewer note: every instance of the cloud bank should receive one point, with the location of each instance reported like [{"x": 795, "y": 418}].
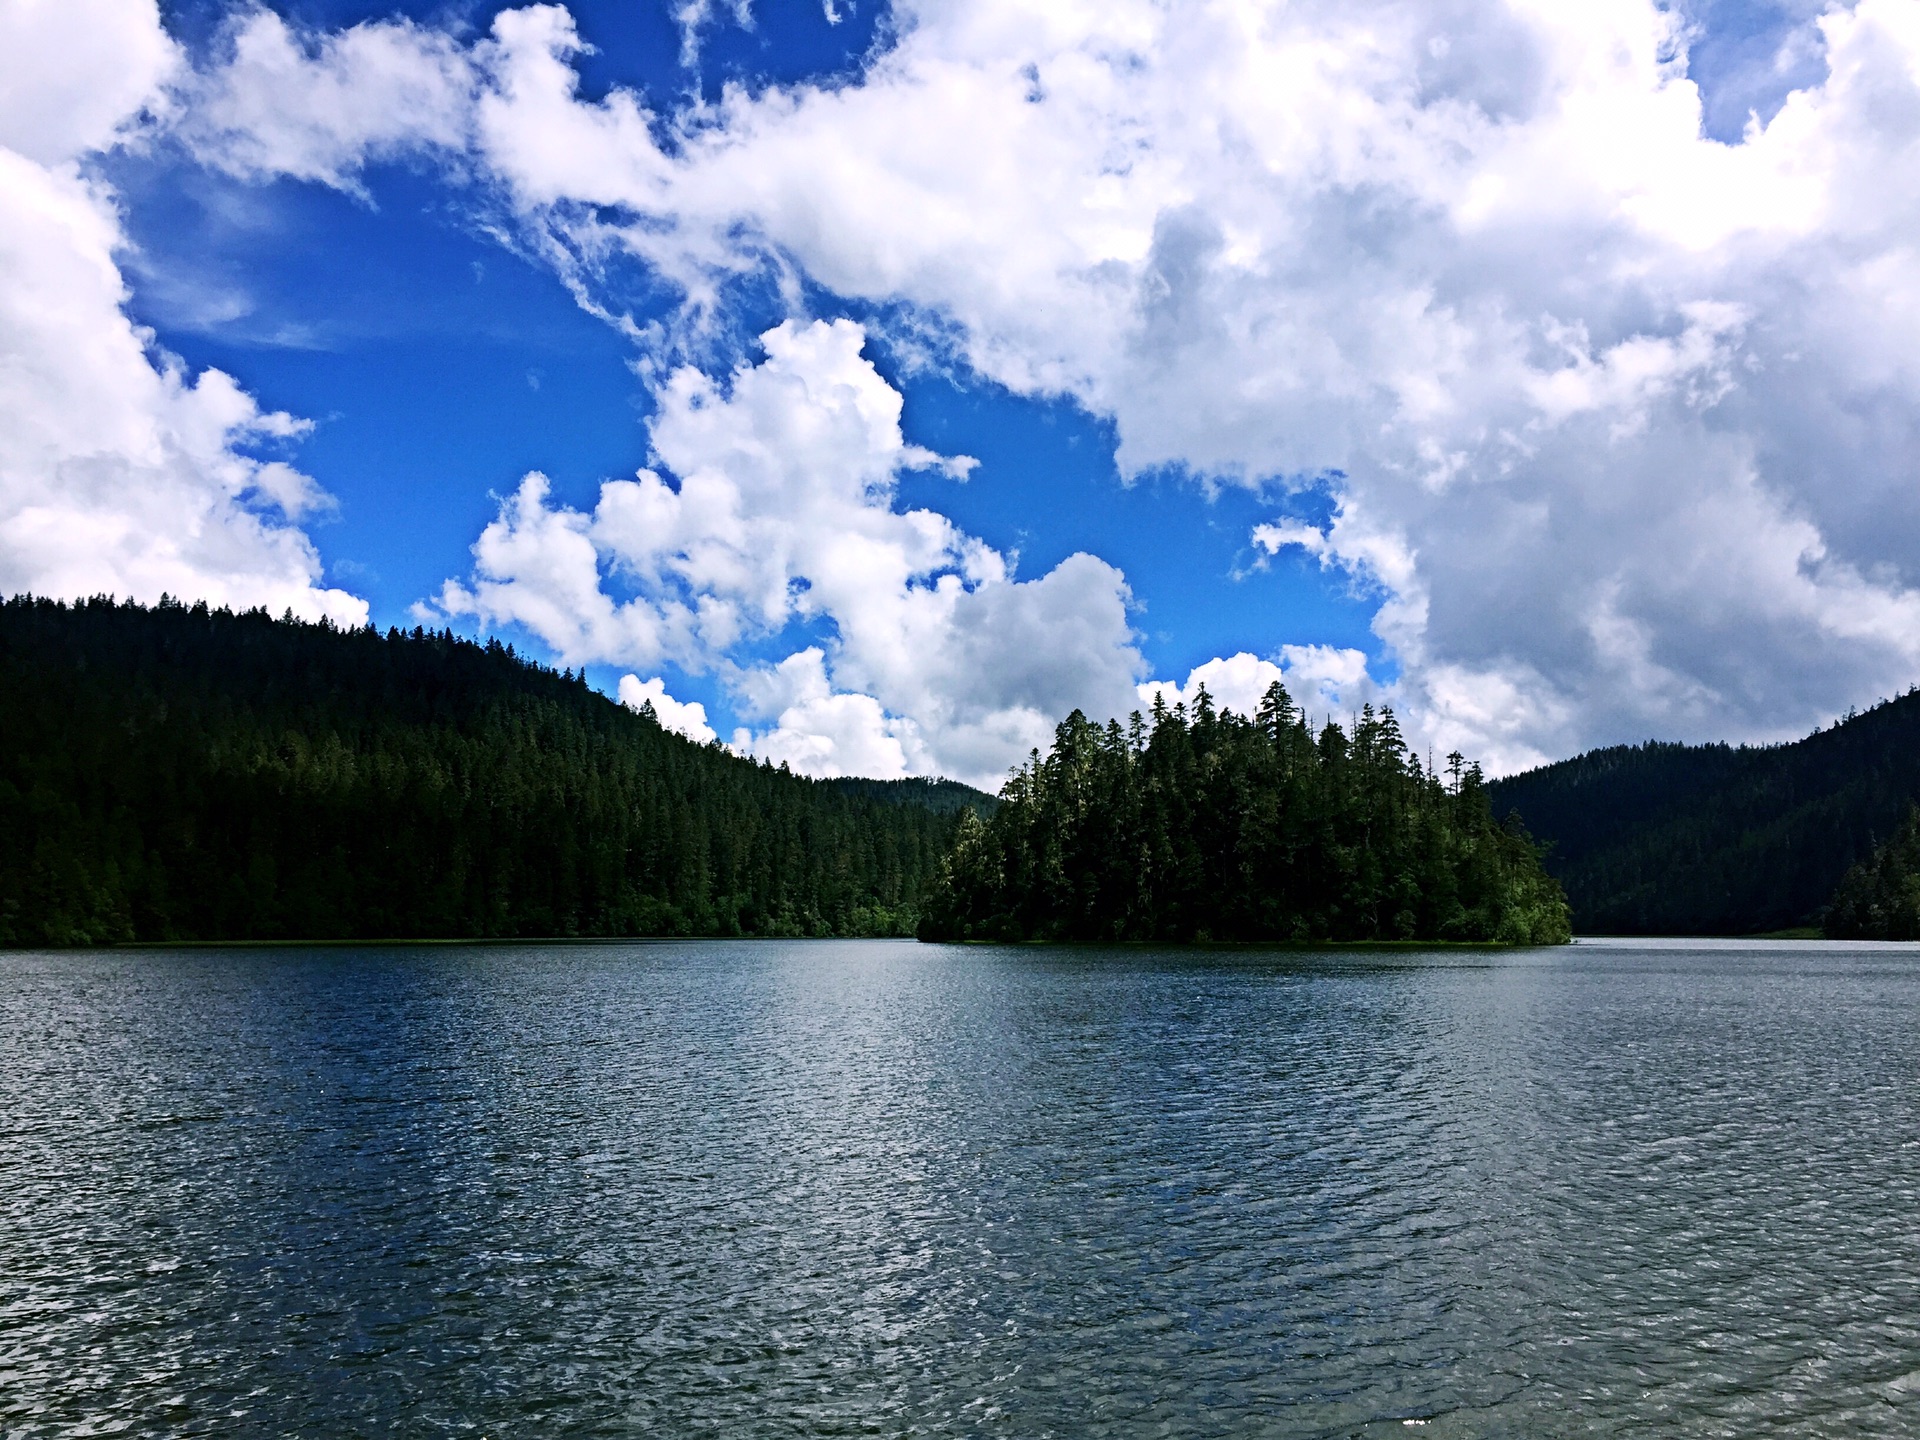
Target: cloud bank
[
  {"x": 773, "y": 511},
  {"x": 1618, "y": 421},
  {"x": 120, "y": 473}
]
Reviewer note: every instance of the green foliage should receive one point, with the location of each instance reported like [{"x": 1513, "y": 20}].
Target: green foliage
[
  {"x": 1663, "y": 839},
  {"x": 1879, "y": 899},
  {"x": 1210, "y": 826},
  {"x": 179, "y": 773}
]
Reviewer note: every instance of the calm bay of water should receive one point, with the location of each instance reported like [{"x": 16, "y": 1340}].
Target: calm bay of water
[{"x": 878, "y": 1188}]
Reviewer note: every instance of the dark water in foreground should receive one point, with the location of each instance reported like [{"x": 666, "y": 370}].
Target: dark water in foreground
[{"x": 813, "y": 1189}]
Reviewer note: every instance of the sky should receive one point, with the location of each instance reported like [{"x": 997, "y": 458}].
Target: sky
[{"x": 868, "y": 386}]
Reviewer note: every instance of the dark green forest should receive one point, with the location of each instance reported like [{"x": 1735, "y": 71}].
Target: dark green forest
[
  {"x": 1665, "y": 839},
  {"x": 186, "y": 773},
  {"x": 1879, "y": 898},
  {"x": 942, "y": 796},
  {"x": 1211, "y": 826}
]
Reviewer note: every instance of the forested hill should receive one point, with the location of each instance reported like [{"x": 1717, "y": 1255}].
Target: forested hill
[
  {"x": 944, "y": 796},
  {"x": 1716, "y": 840},
  {"x": 180, "y": 773}
]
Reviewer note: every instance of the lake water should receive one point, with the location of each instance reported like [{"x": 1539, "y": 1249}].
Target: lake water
[{"x": 879, "y": 1188}]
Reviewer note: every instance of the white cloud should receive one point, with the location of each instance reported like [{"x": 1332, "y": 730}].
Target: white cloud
[
  {"x": 320, "y": 107},
  {"x": 1331, "y": 679},
  {"x": 781, "y": 512},
  {"x": 1277, "y": 535},
  {"x": 819, "y": 731},
  {"x": 1328, "y": 682},
  {"x": 120, "y": 473},
  {"x": 540, "y": 568},
  {"x": 684, "y": 717},
  {"x": 693, "y": 16},
  {"x": 1619, "y": 420},
  {"x": 74, "y": 73},
  {"x": 1476, "y": 258}
]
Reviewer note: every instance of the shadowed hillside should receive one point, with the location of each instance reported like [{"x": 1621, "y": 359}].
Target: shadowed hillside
[
  {"x": 1713, "y": 839},
  {"x": 181, "y": 773}
]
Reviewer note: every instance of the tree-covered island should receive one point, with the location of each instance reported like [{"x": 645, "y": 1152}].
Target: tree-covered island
[{"x": 1212, "y": 826}]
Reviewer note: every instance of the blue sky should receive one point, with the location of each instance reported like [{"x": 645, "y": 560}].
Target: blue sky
[
  {"x": 439, "y": 367},
  {"x": 1493, "y": 368}
]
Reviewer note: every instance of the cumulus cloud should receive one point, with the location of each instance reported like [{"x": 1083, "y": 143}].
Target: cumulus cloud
[
  {"x": 1618, "y": 420},
  {"x": 1619, "y": 416},
  {"x": 120, "y": 472},
  {"x": 817, "y": 730},
  {"x": 773, "y": 510},
  {"x": 320, "y": 107},
  {"x": 75, "y": 73},
  {"x": 684, "y": 717},
  {"x": 1328, "y": 682}
]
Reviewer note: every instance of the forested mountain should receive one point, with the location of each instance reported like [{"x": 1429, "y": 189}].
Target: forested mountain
[
  {"x": 943, "y": 796},
  {"x": 180, "y": 773},
  {"x": 1716, "y": 840},
  {"x": 1210, "y": 826}
]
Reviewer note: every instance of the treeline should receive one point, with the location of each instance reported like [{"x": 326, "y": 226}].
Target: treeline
[
  {"x": 1210, "y": 826},
  {"x": 180, "y": 773},
  {"x": 1665, "y": 839}
]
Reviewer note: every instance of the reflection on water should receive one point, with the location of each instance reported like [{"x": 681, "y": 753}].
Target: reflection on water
[{"x": 831, "y": 1188}]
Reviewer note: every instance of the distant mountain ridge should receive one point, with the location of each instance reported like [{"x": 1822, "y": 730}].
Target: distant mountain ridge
[
  {"x": 943, "y": 797},
  {"x": 180, "y": 773},
  {"x": 1676, "y": 839}
]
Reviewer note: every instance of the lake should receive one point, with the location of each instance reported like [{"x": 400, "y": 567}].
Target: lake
[{"x": 827, "y": 1188}]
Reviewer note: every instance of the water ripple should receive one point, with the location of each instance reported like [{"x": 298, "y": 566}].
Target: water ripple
[{"x": 835, "y": 1189}]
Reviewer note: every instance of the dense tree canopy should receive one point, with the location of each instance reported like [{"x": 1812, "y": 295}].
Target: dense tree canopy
[
  {"x": 1879, "y": 899},
  {"x": 1212, "y": 826},
  {"x": 1664, "y": 839},
  {"x": 186, "y": 773}
]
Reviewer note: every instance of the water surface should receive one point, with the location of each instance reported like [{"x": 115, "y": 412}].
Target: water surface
[{"x": 876, "y": 1188}]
